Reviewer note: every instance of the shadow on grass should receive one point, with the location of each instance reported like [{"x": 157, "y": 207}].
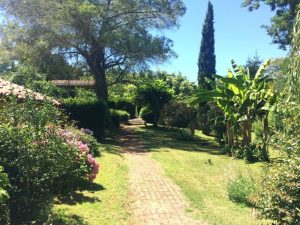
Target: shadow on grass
[
  {"x": 77, "y": 197},
  {"x": 164, "y": 137},
  {"x": 89, "y": 186},
  {"x": 61, "y": 218}
]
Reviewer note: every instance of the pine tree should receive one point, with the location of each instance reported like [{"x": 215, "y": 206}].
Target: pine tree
[{"x": 207, "y": 57}]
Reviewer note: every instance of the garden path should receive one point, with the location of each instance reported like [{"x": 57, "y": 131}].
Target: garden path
[{"x": 154, "y": 198}]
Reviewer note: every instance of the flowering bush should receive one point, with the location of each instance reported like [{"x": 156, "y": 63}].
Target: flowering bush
[
  {"x": 74, "y": 140},
  {"x": 42, "y": 159}
]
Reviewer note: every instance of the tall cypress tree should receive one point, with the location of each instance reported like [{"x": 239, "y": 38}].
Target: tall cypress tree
[{"x": 207, "y": 57}]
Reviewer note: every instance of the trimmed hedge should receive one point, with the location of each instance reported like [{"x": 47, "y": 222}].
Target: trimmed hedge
[
  {"x": 118, "y": 117},
  {"x": 91, "y": 114},
  {"x": 147, "y": 115},
  {"x": 124, "y": 105}
]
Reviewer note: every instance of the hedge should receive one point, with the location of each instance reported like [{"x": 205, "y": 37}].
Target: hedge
[
  {"x": 118, "y": 117},
  {"x": 123, "y": 104},
  {"x": 91, "y": 114}
]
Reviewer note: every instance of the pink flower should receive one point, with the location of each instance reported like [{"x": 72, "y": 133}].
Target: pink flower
[{"x": 84, "y": 148}]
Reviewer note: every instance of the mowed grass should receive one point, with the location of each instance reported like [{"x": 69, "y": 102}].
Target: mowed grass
[
  {"x": 103, "y": 202},
  {"x": 202, "y": 174}
]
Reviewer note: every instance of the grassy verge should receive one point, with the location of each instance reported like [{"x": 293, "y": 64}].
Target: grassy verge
[
  {"x": 202, "y": 174},
  {"x": 105, "y": 201}
]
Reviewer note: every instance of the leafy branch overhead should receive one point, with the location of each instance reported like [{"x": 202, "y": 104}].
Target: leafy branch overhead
[
  {"x": 101, "y": 34},
  {"x": 282, "y": 23}
]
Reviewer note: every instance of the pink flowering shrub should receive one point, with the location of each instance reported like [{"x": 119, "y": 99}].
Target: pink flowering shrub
[
  {"x": 84, "y": 152},
  {"x": 41, "y": 159}
]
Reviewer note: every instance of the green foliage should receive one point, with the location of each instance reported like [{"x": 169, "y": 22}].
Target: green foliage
[
  {"x": 207, "y": 57},
  {"x": 282, "y": 23},
  {"x": 251, "y": 153},
  {"x": 253, "y": 63},
  {"x": 217, "y": 123},
  {"x": 281, "y": 190},
  {"x": 4, "y": 197},
  {"x": 241, "y": 189},
  {"x": 147, "y": 115},
  {"x": 123, "y": 104},
  {"x": 118, "y": 117},
  {"x": 30, "y": 144},
  {"x": 185, "y": 135},
  {"x": 280, "y": 197},
  {"x": 255, "y": 153},
  {"x": 89, "y": 113},
  {"x": 240, "y": 97},
  {"x": 116, "y": 33},
  {"x": 29, "y": 77},
  {"x": 176, "y": 114},
  {"x": 153, "y": 95}
]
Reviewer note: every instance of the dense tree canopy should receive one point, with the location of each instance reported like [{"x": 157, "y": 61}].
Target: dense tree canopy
[
  {"x": 282, "y": 23},
  {"x": 102, "y": 34}
]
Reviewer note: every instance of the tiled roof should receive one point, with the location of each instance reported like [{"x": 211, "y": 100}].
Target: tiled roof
[{"x": 7, "y": 88}]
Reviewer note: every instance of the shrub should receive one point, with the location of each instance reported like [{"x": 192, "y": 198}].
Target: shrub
[
  {"x": 86, "y": 136},
  {"x": 41, "y": 159},
  {"x": 90, "y": 113},
  {"x": 237, "y": 152},
  {"x": 153, "y": 95},
  {"x": 176, "y": 114},
  {"x": 147, "y": 115},
  {"x": 4, "y": 197},
  {"x": 255, "y": 153},
  {"x": 123, "y": 104},
  {"x": 251, "y": 153},
  {"x": 280, "y": 194},
  {"x": 185, "y": 135},
  {"x": 118, "y": 117},
  {"x": 241, "y": 189}
]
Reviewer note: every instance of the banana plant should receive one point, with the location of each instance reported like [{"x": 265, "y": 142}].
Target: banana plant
[{"x": 238, "y": 96}]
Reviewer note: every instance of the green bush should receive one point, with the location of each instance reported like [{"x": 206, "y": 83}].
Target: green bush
[
  {"x": 176, "y": 114},
  {"x": 255, "y": 153},
  {"x": 241, "y": 189},
  {"x": 41, "y": 159},
  {"x": 185, "y": 135},
  {"x": 147, "y": 115},
  {"x": 123, "y": 104},
  {"x": 89, "y": 113},
  {"x": 280, "y": 199},
  {"x": 153, "y": 95},
  {"x": 252, "y": 153},
  {"x": 118, "y": 117},
  {"x": 238, "y": 152},
  {"x": 4, "y": 197}
]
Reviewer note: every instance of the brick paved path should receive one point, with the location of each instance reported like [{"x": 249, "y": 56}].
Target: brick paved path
[{"x": 155, "y": 199}]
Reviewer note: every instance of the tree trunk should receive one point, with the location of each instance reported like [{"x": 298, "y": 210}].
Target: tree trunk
[
  {"x": 229, "y": 134},
  {"x": 101, "y": 85},
  {"x": 266, "y": 130},
  {"x": 246, "y": 131},
  {"x": 249, "y": 128},
  {"x": 96, "y": 62}
]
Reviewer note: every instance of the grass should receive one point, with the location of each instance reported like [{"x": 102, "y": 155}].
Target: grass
[
  {"x": 202, "y": 174},
  {"x": 103, "y": 202}
]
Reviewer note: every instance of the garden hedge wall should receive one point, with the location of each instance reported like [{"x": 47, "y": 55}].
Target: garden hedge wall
[{"x": 92, "y": 114}]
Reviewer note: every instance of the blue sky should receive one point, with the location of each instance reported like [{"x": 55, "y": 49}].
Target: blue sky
[{"x": 238, "y": 34}]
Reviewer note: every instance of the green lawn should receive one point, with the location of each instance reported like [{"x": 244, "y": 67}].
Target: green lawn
[
  {"x": 186, "y": 163},
  {"x": 104, "y": 202}
]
